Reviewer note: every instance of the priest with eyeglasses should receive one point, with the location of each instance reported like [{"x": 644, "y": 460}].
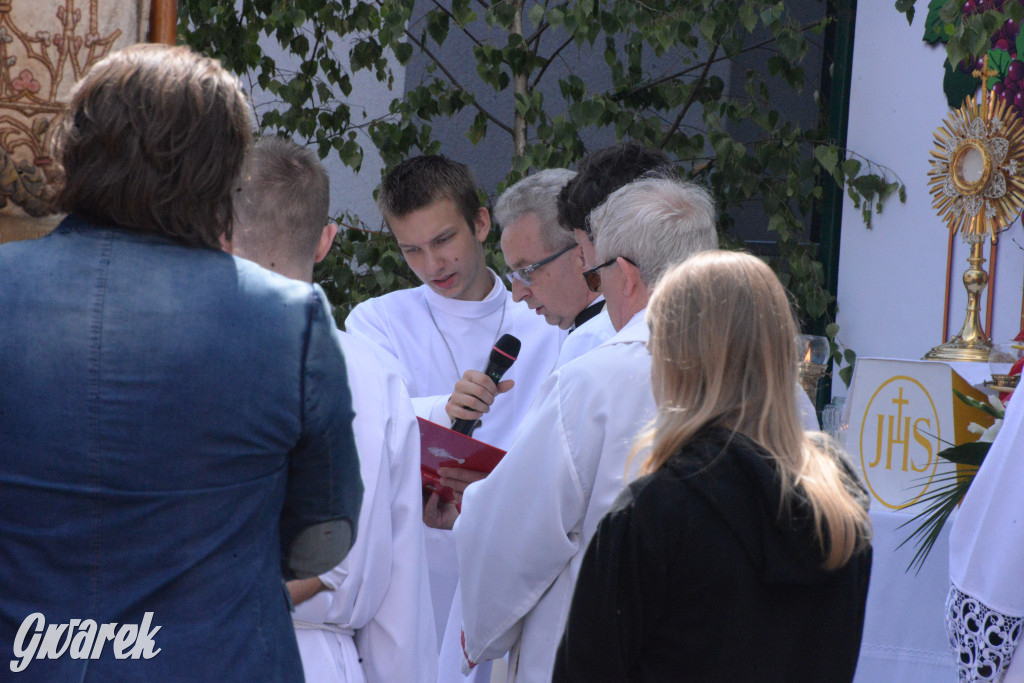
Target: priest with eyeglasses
[
  {"x": 544, "y": 263},
  {"x": 567, "y": 462}
]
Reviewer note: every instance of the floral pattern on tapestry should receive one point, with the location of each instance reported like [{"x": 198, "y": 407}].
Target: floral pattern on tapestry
[{"x": 45, "y": 48}]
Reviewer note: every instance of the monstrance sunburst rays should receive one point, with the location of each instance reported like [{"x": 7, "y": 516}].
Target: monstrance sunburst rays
[
  {"x": 975, "y": 181},
  {"x": 977, "y": 190}
]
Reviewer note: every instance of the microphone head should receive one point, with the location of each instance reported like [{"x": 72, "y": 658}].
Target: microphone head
[{"x": 505, "y": 351}]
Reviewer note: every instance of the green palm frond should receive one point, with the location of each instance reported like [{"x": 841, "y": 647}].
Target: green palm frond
[{"x": 939, "y": 504}]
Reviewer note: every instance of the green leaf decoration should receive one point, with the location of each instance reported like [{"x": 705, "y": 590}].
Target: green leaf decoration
[
  {"x": 940, "y": 502},
  {"x": 1000, "y": 61},
  {"x": 972, "y": 453},
  {"x": 958, "y": 86},
  {"x": 949, "y": 10},
  {"x": 983, "y": 406},
  {"x": 934, "y": 26},
  {"x": 907, "y": 7}
]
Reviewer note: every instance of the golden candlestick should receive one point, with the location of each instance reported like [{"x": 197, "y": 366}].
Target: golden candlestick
[{"x": 971, "y": 344}]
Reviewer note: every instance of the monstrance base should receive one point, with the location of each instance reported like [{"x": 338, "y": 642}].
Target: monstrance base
[{"x": 956, "y": 349}]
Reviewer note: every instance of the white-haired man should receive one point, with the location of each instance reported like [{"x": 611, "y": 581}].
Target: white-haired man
[
  {"x": 567, "y": 462},
  {"x": 544, "y": 264},
  {"x": 370, "y": 618}
]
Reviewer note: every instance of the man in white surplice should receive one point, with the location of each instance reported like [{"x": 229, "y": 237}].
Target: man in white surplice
[
  {"x": 368, "y": 619},
  {"x": 441, "y": 333},
  {"x": 523, "y": 529},
  {"x": 599, "y": 174}
]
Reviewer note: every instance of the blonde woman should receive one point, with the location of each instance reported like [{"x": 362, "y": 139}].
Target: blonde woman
[{"x": 743, "y": 553}]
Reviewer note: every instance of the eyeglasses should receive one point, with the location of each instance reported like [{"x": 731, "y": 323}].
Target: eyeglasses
[
  {"x": 593, "y": 277},
  {"x": 525, "y": 275}
]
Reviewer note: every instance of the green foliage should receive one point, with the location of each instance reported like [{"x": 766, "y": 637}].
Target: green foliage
[
  {"x": 840, "y": 354},
  {"x": 662, "y": 60},
  {"x": 935, "y": 29},
  {"x": 309, "y": 90},
  {"x": 361, "y": 263},
  {"x": 868, "y": 191}
]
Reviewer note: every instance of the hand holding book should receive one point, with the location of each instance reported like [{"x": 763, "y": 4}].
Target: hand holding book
[
  {"x": 441, "y": 513},
  {"x": 449, "y": 462}
]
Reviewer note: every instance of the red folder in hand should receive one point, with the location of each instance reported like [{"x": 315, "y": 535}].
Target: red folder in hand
[{"x": 441, "y": 447}]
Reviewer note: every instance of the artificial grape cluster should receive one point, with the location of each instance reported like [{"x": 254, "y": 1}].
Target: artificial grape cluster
[
  {"x": 1011, "y": 88},
  {"x": 977, "y": 6}
]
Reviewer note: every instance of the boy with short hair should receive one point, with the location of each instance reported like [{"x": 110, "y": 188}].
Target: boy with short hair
[{"x": 441, "y": 333}]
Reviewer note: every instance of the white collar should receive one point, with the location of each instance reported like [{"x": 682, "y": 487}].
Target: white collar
[
  {"x": 491, "y": 303},
  {"x": 635, "y": 330}
]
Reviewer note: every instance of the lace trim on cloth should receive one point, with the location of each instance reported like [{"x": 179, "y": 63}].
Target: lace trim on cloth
[{"x": 982, "y": 639}]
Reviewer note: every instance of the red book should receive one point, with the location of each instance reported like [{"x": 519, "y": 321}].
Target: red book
[{"x": 441, "y": 447}]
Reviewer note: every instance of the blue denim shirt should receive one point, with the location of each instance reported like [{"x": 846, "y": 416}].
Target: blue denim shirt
[{"x": 171, "y": 420}]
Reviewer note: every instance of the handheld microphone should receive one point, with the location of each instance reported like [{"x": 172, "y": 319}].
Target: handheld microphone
[{"x": 503, "y": 355}]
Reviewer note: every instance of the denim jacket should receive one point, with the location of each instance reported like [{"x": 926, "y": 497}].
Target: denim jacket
[{"x": 175, "y": 433}]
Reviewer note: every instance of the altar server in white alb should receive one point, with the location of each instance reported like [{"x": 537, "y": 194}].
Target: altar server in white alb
[
  {"x": 368, "y": 619},
  {"x": 985, "y": 606},
  {"x": 523, "y": 529},
  {"x": 441, "y": 333},
  {"x": 544, "y": 264}
]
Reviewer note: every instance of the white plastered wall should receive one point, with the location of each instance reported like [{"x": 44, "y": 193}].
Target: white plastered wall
[{"x": 892, "y": 277}]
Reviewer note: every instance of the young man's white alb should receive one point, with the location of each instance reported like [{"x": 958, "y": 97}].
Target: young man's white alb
[{"x": 434, "y": 340}]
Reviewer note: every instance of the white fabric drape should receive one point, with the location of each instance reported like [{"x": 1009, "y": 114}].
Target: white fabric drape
[
  {"x": 380, "y": 591},
  {"x": 523, "y": 529},
  {"x": 985, "y": 608}
]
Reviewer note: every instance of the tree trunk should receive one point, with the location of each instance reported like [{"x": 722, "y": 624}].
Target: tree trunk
[{"x": 520, "y": 87}]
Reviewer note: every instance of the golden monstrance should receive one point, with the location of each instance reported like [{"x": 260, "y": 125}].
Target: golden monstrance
[{"x": 977, "y": 190}]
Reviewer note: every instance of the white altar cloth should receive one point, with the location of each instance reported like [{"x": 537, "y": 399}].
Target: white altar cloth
[{"x": 904, "y": 637}]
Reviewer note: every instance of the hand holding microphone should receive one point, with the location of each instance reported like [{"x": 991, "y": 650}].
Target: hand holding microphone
[{"x": 476, "y": 391}]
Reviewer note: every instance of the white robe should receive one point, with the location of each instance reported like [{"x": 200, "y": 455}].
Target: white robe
[
  {"x": 523, "y": 530},
  {"x": 380, "y": 591},
  {"x": 400, "y": 323},
  {"x": 587, "y": 336},
  {"x": 985, "y": 607}
]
